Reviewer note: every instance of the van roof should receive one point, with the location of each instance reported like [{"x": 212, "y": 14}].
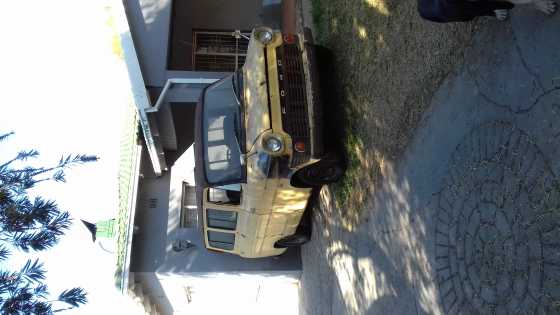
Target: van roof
[{"x": 200, "y": 179}]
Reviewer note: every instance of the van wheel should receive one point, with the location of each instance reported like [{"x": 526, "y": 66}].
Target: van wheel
[
  {"x": 295, "y": 240},
  {"x": 321, "y": 173}
]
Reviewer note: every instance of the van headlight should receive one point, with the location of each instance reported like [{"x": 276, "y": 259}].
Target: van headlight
[
  {"x": 273, "y": 144},
  {"x": 265, "y": 35}
]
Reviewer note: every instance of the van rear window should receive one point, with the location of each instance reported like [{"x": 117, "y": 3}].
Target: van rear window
[
  {"x": 221, "y": 240},
  {"x": 220, "y": 219}
]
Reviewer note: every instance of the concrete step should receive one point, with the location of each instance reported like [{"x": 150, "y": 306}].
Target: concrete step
[
  {"x": 138, "y": 292},
  {"x": 147, "y": 304}
]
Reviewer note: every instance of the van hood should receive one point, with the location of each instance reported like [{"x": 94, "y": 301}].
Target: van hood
[{"x": 256, "y": 98}]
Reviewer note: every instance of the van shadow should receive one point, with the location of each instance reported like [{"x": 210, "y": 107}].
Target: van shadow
[{"x": 331, "y": 95}]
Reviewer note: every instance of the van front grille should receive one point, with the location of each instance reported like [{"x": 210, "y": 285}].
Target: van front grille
[{"x": 293, "y": 99}]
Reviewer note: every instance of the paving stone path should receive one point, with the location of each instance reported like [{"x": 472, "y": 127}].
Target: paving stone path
[{"x": 497, "y": 225}]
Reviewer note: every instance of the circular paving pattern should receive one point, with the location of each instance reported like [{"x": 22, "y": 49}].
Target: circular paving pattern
[{"x": 498, "y": 227}]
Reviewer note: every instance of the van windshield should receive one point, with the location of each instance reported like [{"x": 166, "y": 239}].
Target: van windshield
[{"x": 222, "y": 132}]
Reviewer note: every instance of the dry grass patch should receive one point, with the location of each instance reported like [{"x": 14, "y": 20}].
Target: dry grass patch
[{"x": 388, "y": 64}]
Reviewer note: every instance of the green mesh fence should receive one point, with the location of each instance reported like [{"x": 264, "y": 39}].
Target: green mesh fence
[{"x": 127, "y": 165}]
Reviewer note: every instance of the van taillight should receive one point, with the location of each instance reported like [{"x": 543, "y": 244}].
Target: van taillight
[{"x": 289, "y": 38}]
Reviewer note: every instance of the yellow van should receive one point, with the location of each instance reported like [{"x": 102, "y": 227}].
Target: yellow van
[{"x": 259, "y": 148}]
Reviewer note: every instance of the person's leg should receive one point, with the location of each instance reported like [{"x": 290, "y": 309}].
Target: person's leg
[
  {"x": 546, "y": 6},
  {"x": 521, "y": 1}
]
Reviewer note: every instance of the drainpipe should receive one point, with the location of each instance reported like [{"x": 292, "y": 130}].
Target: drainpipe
[
  {"x": 172, "y": 81},
  {"x": 289, "y": 24}
]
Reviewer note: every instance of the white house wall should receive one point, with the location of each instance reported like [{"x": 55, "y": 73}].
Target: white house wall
[
  {"x": 152, "y": 23},
  {"x": 208, "y": 15},
  {"x": 248, "y": 294},
  {"x": 150, "y": 237}
]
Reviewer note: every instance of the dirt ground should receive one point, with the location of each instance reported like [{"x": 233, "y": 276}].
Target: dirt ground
[{"x": 388, "y": 63}]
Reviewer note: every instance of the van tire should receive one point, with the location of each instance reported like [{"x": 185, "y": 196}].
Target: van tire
[
  {"x": 295, "y": 240},
  {"x": 324, "y": 172}
]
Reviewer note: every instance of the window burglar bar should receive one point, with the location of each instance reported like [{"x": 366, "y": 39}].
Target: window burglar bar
[{"x": 219, "y": 51}]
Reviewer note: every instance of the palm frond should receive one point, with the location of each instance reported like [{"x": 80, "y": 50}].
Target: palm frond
[
  {"x": 74, "y": 296},
  {"x": 4, "y": 253},
  {"x": 28, "y": 224},
  {"x": 36, "y": 241},
  {"x": 33, "y": 271},
  {"x": 8, "y": 281},
  {"x": 44, "y": 210},
  {"x": 5, "y": 195},
  {"x": 76, "y": 159},
  {"x": 18, "y": 302},
  {"x": 6, "y": 135},
  {"x": 41, "y": 291},
  {"x": 59, "y": 176},
  {"x": 60, "y": 223},
  {"x": 21, "y": 156},
  {"x": 24, "y": 155},
  {"x": 16, "y": 215},
  {"x": 42, "y": 308}
]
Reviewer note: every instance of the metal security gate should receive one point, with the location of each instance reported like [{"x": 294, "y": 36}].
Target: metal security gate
[
  {"x": 219, "y": 51},
  {"x": 189, "y": 213}
]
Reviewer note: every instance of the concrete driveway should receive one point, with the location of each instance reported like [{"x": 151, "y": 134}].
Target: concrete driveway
[{"x": 468, "y": 221}]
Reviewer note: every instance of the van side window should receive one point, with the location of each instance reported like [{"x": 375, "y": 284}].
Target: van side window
[
  {"x": 221, "y": 240},
  {"x": 220, "y": 219},
  {"x": 224, "y": 195}
]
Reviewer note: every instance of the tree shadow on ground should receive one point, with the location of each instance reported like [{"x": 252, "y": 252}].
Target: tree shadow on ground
[
  {"x": 404, "y": 256},
  {"x": 357, "y": 273},
  {"x": 389, "y": 259}
]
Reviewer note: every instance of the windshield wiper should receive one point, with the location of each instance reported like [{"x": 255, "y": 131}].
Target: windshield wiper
[
  {"x": 238, "y": 115},
  {"x": 234, "y": 88}
]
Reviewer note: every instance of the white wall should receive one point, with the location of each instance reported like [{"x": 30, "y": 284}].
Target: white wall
[{"x": 222, "y": 293}]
